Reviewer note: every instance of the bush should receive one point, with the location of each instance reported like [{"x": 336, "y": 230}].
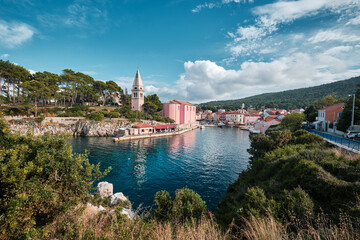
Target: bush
[
  {"x": 39, "y": 119},
  {"x": 96, "y": 116},
  {"x": 40, "y": 178},
  {"x": 163, "y": 204},
  {"x": 113, "y": 115},
  {"x": 188, "y": 204},
  {"x": 185, "y": 206}
]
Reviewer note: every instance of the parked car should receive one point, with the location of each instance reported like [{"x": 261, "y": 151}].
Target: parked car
[{"x": 351, "y": 134}]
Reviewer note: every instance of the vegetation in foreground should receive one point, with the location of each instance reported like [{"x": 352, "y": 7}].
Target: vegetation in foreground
[
  {"x": 296, "y": 187},
  {"x": 295, "y": 183}
]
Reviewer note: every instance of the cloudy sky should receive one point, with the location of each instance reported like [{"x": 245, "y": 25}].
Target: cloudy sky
[{"x": 195, "y": 50}]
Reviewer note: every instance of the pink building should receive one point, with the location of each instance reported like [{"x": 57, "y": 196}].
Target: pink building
[
  {"x": 250, "y": 119},
  {"x": 264, "y": 124},
  {"x": 137, "y": 98},
  {"x": 180, "y": 111}
]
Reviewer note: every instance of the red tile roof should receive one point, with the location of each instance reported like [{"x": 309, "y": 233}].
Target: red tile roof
[
  {"x": 335, "y": 105},
  {"x": 142, "y": 125},
  {"x": 164, "y": 126}
]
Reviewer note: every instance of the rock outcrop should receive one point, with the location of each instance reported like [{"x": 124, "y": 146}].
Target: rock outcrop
[
  {"x": 116, "y": 198},
  {"x": 85, "y": 128},
  {"x": 104, "y": 189}
]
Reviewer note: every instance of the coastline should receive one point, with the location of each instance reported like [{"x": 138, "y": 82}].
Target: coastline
[{"x": 154, "y": 135}]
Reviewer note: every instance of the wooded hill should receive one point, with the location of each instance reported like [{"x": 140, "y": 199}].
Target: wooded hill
[{"x": 292, "y": 99}]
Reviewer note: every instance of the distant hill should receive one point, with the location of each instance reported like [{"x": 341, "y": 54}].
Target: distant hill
[{"x": 292, "y": 98}]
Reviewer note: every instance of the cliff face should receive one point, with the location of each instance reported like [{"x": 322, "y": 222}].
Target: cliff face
[{"x": 76, "y": 128}]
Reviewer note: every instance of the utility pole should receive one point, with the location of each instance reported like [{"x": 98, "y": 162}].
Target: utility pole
[{"x": 353, "y": 110}]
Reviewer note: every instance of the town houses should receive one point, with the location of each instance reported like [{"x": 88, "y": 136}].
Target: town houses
[
  {"x": 183, "y": 113},
  {"x": 328, "y": 116},
  {"x": 250, "y": 118}
]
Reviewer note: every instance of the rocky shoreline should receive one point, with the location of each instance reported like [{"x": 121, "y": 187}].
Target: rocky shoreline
[{"x": 71, "y": 126}]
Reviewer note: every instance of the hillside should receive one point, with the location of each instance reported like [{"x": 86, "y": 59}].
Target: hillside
[{"x": 292, "y": 98}]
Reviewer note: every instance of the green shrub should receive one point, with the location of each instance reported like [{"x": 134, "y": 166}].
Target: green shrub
[
  {"x": 39, "y": 119},
  {"x": 40, "y": 178},
  {"x": 186, "y": 205},
  {"x": 297, "y": 204},
  {"x": 96, "y": 116},
  {"x": 255, "y": 202},
  {"x": 163, "y": 204},
  {"x": 113, "y": 115}
]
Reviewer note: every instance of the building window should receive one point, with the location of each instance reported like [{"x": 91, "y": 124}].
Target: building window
[
  {"x": 135, "y": 87},
  {"x": 135, "y": 94},
  {"x": 141, "y": 95}
]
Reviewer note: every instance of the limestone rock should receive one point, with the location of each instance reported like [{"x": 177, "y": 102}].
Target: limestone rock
[
  {"x": 128, "y": 212},
  {"x": 114, "y": 199},
  {"x": 105, "y": 189}
]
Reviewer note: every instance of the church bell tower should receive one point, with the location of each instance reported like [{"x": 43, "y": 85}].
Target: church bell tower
[{"x": 137, "y": 97}]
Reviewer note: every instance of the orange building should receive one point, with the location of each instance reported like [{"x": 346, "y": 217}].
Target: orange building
[{"x": 328, "y": 115}]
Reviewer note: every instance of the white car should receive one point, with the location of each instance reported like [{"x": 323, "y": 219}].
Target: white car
[{"x": 350, "y": 134}]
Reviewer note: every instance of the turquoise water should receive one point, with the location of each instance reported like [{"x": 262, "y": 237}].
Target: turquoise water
[{"x": 206, "y": 161}]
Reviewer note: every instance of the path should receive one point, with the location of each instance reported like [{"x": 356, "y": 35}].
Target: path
[{"x": 347, "y": 144}]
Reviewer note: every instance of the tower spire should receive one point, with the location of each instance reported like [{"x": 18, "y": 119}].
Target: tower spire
[
  {"x": 137, "y": 99},
  {"x": 137, "y": 79}
]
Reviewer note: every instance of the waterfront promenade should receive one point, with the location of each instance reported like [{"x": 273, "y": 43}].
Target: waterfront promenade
[{"x": 344, "y": 143}]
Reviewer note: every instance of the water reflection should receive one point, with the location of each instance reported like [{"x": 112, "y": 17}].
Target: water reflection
[{"x": 204, "y": 160}]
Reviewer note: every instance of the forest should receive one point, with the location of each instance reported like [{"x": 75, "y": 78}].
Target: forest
[
  {"x": 291, "y": 99},
  {"x": 70, "y": 94}
]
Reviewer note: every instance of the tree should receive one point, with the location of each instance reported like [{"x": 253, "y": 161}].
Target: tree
[
  {"x": 40, "y": 179},
  {"x": 154, "y": 99},
  {"x": 328, "y": 101},
  {"x": 101, "y": 87},
  {"x": 293, "y": 121},
  {"x": 311, "y": 114},
  {"x": 150, "y": 108},
  {"x": 345, "y": 118},
  {"x": 35, "y": 90}
]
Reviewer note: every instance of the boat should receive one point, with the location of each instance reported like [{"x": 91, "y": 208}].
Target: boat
[
  {"x": 221, "y": 125},
  {"x": 254, "y": 131},
  {"x": 202, "y": 127},
  {"x": 245, "y": 128}
]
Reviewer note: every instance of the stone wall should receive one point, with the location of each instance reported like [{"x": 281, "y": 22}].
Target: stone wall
[{"x": 75, "y": 127}]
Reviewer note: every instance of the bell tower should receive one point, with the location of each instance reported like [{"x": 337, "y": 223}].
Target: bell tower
[{"x": 137, "y": 91}]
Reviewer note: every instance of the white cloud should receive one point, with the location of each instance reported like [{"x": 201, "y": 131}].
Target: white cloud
[
  {"x": 211, "y": 5},
  {"x": 237, "y": 1},
  {"x": 333, "y": 35},
  {"x": 89, "y": 72},
  {"x": 13, "y": 34},
  {"x": 337, "y": 50},
  {"x": 288, "y": 11},
  {"x": 205, "y": 80},
  {"x": 5, "y": 55},
  {"x": 354, "y": 21},
  {"x": 250, "y": 33},
  {"x": 83, "y": 14},
  {"x": 198, "y": 8},
  {"x": 32, "y": 72}
]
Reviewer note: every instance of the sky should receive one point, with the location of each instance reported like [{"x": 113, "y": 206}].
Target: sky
[{"x": 194, "y": 50}]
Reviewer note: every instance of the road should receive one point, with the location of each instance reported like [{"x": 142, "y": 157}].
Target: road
[{"x": 345, "y": 143}]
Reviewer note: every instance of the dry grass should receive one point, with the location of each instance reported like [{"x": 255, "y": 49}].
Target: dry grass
[
  {"x": 80, "y": 223},
  {"x": 339, "y": 152},
  {"x": 268, "y": 229}
]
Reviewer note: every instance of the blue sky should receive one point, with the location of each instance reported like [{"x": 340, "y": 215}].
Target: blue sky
[{"x": 188, "y": 49}]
